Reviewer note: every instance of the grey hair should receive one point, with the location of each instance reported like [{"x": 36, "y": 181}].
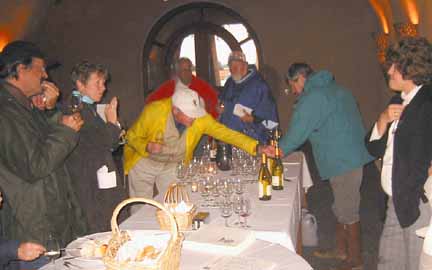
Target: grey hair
[
  {"x": 181, "y": 60},
  {"x": 297, "y": 69}
]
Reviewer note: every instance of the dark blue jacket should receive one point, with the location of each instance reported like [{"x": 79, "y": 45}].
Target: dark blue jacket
[
  {"x": 253, "y": 92},
  {"x": 8, "y": 252}
]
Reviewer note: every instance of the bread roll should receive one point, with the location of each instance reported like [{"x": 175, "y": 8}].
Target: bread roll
[
  {"x": 100, "y": 250},
  {"x": 146, "y": 252}
]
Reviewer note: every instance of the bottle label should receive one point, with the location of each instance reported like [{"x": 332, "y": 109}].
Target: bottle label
[
  {"x": 260, "y": 190},
  {"x": 269, "y": 190},
  {"x": 275, "y": 180},
  {"x": 212, "y": 153}
]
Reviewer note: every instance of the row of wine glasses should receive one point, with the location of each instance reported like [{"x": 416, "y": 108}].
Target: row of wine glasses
[
  {"x": 241, "y": 206},
  {"x": 211, "y": 188},
  {"x": 243, "y": 163},
  {"x": 198, "y": 168}
]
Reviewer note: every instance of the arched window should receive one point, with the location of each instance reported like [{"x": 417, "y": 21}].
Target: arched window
[{"x": 204, "y": 32}]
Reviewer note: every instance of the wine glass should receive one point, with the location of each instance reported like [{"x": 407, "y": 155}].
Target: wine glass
[
  {"x": 52, "y": 248},
  {"x": 122, "y": 137},
  {"x": 237, "y": 206},
  {"x": 216, "y": 188},
  {"x": 123, "y": 133},
  {"x": 245, "y": 211},
  {"x": 226, "y": 210},
  {"x": 238, "y": 186},
  {"x": 75, "y": 104},
  {"x": 227, "y": 189},
  {"x": 181, "y": 171},
  {"x": 204, "y": 188}
]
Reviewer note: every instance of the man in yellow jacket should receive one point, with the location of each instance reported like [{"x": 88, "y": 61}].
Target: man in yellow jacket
[{"x": 167, "y": 132}]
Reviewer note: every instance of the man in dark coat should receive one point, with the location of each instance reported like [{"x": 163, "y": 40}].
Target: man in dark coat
[
  {"x": 39, "y": 199},
  {"x": 248, "y": 105},
  {"x": 13, "y": 250},
  {"x": 401, "y": 137},
  {"x": 98, "y": 140}
]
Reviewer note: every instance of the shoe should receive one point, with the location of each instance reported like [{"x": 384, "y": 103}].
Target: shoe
[
  {"x": 340, "y": 253},
  {"x": 330, "y": 254},
  {"x": 354, "y": 260}
]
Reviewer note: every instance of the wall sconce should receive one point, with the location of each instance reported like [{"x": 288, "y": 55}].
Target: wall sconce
[
  {"x": 382, "y": 42},
  {"x": 406, "y": 30}
]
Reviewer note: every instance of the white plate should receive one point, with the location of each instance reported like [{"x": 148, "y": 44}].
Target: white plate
[{"x": 73, "y": 249}]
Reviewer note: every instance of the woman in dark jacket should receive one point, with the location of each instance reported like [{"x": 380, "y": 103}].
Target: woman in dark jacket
[{"x": 99, "y": 138}]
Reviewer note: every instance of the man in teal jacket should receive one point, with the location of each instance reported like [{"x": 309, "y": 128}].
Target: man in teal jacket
[{"x": 327, "y": 115}]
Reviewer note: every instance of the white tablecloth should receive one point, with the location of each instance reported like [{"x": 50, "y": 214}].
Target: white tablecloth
[
  {"x": 283, "y": 259},
  {"x": 276, "y": 221}
]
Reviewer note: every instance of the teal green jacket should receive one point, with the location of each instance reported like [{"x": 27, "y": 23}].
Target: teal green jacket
[{"x": 327, "y": 115}]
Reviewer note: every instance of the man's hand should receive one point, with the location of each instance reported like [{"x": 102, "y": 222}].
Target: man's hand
[
  {"x": 220, "y": 108},
  {"x": 154, "y": 148},
  {"x": 247, "y": 117},
  {"x": 51, "y": 94},
  {"x": 29, "y": 251},
  {"x": 39, "y": 101},
  {"x": 111, "y": 111},
  {"x": 269, "y": 150},
  {"x": 74, "y": 121},
  {"x": 392, "y": 113}
]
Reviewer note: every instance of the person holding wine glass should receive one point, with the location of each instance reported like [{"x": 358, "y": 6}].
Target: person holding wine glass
[
  {"x": 183, "y": 120},
  {"x": 34, "y": 144},
  {"x": 98, "y": 140}
]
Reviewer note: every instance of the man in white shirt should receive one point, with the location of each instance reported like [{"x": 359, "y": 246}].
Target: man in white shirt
[{"x": 402, "y": 138}]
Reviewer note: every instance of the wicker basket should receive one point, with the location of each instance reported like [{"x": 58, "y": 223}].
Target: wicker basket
[
  {"x": 168, "y": 260},
  {"x": 174, "y": 195}
]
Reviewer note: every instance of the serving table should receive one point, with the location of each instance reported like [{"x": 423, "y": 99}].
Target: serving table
[
  {"x": 276, "y": 224},
  {"x": 276, "y": 221}
]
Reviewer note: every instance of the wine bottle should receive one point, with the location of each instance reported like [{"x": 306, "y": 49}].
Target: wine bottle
[
  {"x": 264, "y": 180},
  {"x": 213, "y": 149},
  {"x": 277, "y": 173},
  {"x": 270, "y": 161}
]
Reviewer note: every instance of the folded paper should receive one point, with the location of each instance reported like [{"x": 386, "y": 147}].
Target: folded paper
[{"x": 106, "y": 179}]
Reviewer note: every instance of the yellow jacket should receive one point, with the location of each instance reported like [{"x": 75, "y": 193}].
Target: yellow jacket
[{"x": 153, "y": 119}]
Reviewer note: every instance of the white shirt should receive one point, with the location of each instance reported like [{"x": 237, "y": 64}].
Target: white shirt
[{"x": 387, "y": 166}]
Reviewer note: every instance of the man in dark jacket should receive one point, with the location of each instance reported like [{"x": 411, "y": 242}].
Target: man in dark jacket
[
  {"x": 248, "y": 104},
  {"x": 39, "y": 200},
  {"x": 13, "y": 250},
  {"x": 401, "y": 137}
]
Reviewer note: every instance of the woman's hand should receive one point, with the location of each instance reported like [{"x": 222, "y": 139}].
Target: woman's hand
[{"x": 111, "y": 111}]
